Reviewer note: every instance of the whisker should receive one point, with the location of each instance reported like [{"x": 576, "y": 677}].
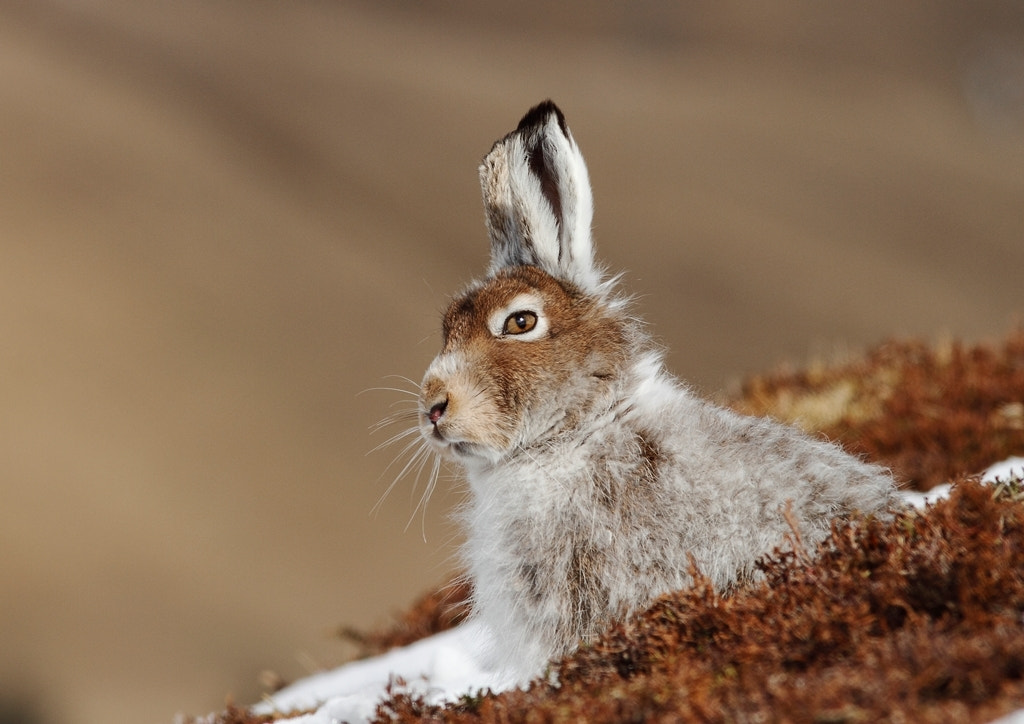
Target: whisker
[
  {"x": 435, "y": 470},
  {"x": 413, "y": 390},
  {"x": 422, "y": 451},
  {"x": 395, "y": 418},
  {"x": 401, "y": 453},
  {"x": 415, "y": 458},
  {"x": 428, "y": 489},
  {"x": 413, "y": 404},
  {"x": 414, "y": 383},
  {"x": 413, "y": 393},
  {"x": 393, "y": 439},
  {"x": 421, "y": 463}
]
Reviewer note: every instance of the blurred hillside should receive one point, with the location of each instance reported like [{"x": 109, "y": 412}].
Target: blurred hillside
[{"x": 221, "y": 222}]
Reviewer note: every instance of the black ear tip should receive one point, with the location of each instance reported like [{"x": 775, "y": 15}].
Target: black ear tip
[{"x": 538, "y": 115}]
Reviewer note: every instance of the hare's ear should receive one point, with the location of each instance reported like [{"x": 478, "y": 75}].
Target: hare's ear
[{"x": 538, "y": 201}]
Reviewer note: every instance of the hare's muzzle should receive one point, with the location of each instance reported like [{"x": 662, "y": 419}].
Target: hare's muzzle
[
  {"x": 435, "y": 398},
  {"x": 459, "y": 409}
]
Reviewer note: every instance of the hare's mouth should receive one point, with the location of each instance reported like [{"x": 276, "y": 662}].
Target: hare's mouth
[
  {"x": 464, "y": 450},
  {"x": 458, "y": 448}
]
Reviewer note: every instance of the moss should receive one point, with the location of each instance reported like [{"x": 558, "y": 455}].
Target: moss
[
  {"x": 432, "y": 613},
  {"x": 930, "y": 412},
  {"x": 913, "y": 619},
  {"x": 916, "y": 619}
]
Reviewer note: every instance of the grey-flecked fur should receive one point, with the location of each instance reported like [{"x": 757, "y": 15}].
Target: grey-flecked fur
[{"x": 594, "y": 475}]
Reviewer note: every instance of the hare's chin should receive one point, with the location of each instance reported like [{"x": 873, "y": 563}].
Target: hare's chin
[
  {"x": 462, "y": 450},
  {"x": 437, "y": 439},
  {"x": 465, "y": 449}
]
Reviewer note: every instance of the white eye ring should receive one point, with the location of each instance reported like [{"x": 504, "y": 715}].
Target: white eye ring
[{"x": 522, "y": 318}]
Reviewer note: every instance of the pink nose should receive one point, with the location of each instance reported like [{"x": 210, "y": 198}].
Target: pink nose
[{"x": 437, "y": 411}]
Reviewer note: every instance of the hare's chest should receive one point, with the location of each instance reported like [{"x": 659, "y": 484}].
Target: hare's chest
[{"x": 559, "y": 578}]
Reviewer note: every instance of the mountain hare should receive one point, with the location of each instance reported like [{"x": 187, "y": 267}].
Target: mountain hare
[{"x": 594, "y": 475}]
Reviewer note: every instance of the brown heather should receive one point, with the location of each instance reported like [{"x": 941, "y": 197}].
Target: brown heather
[
  {"x": 920, "y": 619},
  {"x": 930, "y": 413},
  {"x": 917, "y": 620},
  {"x": 432, "y": 613}
]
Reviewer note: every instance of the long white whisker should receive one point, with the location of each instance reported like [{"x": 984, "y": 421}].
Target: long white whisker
[
  {"x": 416, "y": 483},
  {"x": 412, "y": 393},
  {"x": 435, "y": 470},
  {"x": 402, "y": 417},
  {"x": 395, "y": 438},
  {"x": 414, "y": 383},
  {"x": 417, "y": 457},
  {"x": 417, "y": 442},
  {"x": 406, "y": 415},
  {"x": 415, "y": 453}
]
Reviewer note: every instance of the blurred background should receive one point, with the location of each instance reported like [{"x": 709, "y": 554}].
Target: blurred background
[{"x": 220, "y": 222}]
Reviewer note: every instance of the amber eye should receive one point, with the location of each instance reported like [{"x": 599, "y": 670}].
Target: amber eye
[{"x": 520, "y": 322}]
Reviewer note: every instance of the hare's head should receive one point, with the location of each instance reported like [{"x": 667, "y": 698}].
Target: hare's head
[{"x": 528, "y": 351}]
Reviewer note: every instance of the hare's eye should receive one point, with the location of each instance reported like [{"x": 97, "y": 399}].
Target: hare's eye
[{"x": 520, "y": 322}]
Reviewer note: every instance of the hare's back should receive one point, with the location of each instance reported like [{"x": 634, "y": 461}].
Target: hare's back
[{"x": 746, "y": 479}]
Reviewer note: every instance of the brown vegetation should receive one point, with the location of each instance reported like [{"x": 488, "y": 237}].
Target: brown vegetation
[
  {"x": 916, "y": 619},
  {"x": 432, "y": 613},
  {"x": 931, "y": 413}
]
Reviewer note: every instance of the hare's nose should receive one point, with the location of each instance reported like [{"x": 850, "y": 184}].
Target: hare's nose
[{"x": 437, "y": 411}]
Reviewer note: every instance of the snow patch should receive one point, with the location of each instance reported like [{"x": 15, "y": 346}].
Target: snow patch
[
  {"x": 452, "y": 664},
  {"x": 1009, "y": 469},
  {"x": 440, "y": 669}
]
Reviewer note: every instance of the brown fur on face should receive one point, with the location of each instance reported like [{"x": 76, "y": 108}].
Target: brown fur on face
[{"x": 496, "y": 387}]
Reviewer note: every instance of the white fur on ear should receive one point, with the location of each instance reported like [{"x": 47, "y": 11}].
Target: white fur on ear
[{"x": 538, "y": 200}]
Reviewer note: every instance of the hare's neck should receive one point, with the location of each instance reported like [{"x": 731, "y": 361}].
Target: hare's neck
[{"x": 545, "y": 543}]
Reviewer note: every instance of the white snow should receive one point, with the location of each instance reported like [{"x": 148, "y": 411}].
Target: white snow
[
  {"x": 1014, "y": 717},
  {"x": 1009, "y": 469},
  {"x": 440, "y": 669},
  {"x": 920, "y": 500},
  {"x": 1003, "y": 471},
  {"x": 444, "y": 667}
]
